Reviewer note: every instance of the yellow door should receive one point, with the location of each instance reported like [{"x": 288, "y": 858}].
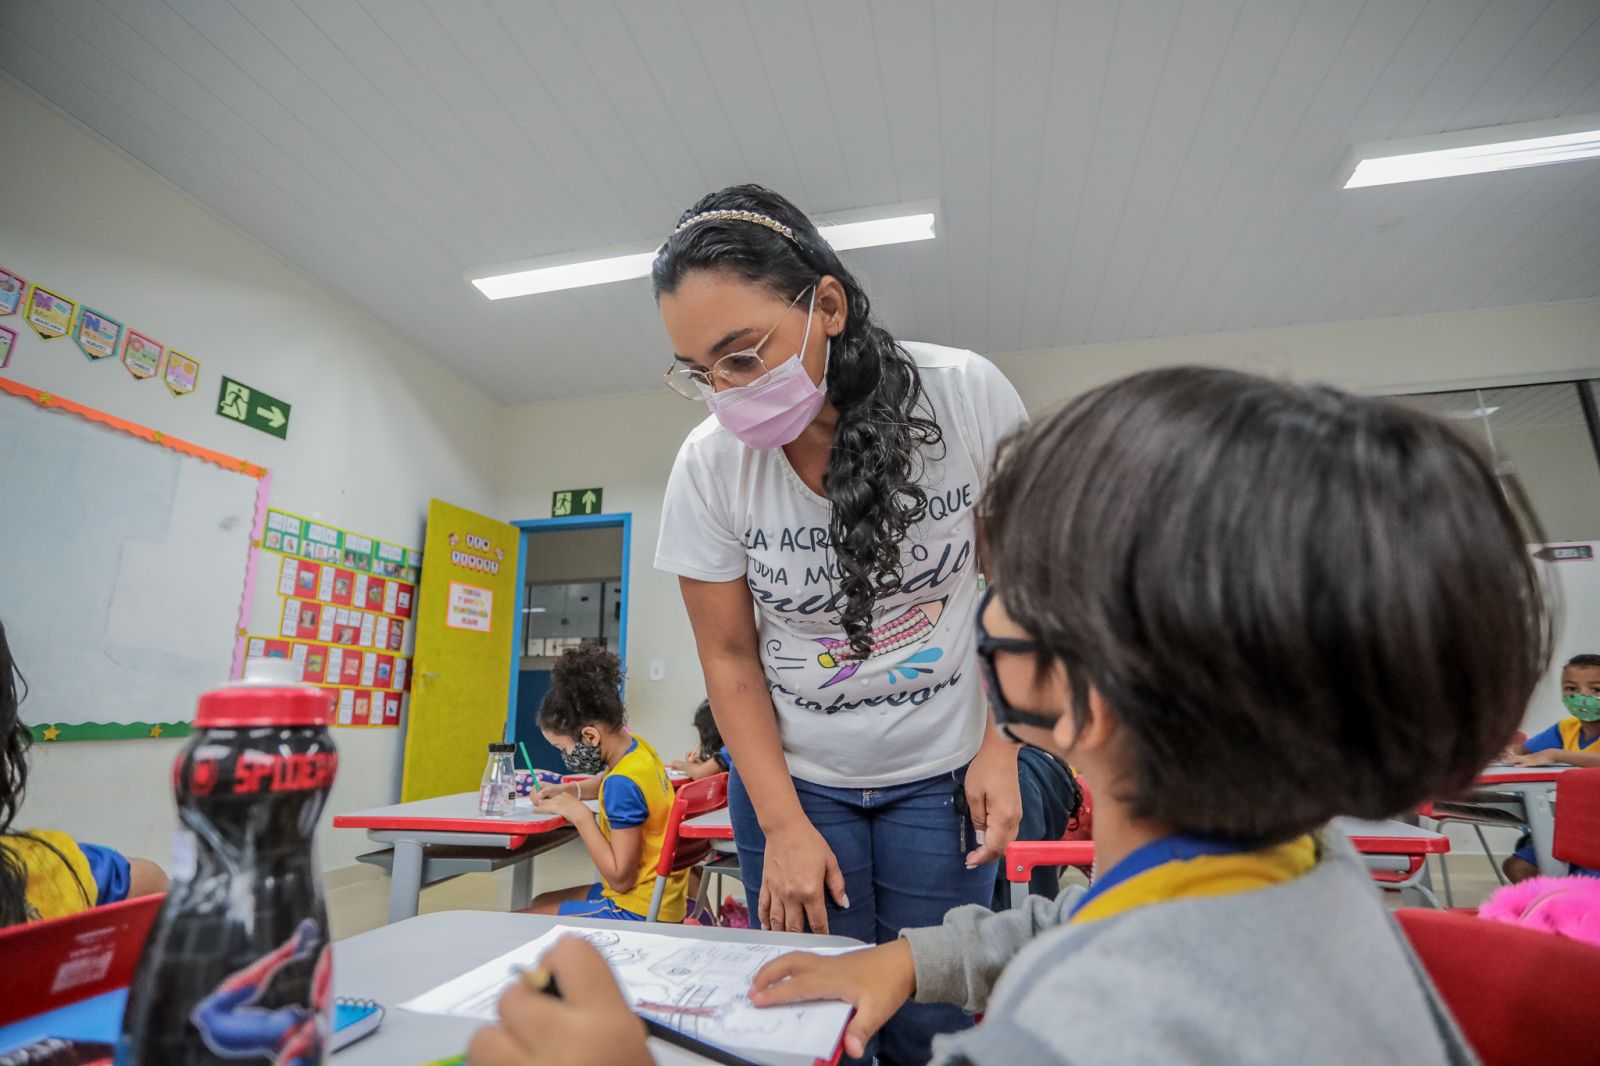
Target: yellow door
[{"x": 461, "y": 672}]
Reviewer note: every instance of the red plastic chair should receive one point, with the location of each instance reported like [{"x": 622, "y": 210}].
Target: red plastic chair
[
  {"x": 679, "y": 853},
  {"x": 1506, "y": 985},
  {"x": 1023, "y": 855},
  {"x": 1577, "y": 839},
  {"x": 53, "y": 964}
]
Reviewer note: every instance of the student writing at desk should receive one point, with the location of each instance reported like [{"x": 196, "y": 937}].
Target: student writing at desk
[
  {"x": 1240, "y": 608},
  {"x": 1574, "y": 741},
  {"x": 584, "y": 718}
]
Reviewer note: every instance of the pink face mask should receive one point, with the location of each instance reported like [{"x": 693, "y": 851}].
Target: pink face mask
[{"x": 778, "y": 410}]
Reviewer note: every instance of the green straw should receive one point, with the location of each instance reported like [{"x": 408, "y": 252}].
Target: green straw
[{"x": 531, "y": 770}]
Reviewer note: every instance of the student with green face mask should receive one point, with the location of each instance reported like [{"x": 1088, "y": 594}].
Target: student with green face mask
[{"x": 1574, "y": 741}]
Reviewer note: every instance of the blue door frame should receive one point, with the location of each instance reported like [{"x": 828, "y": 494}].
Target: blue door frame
[{"x": 540, "y": 525}]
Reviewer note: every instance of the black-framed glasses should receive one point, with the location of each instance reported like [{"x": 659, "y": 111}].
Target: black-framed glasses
[{"x": 1005, "y": 715}]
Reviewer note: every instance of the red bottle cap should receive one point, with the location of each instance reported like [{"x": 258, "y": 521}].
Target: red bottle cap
[{"x": 267, "y": 695}]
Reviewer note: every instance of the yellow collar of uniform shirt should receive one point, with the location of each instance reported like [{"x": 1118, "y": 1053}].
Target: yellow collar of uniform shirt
[
  {"x": 1204, "y": 875},
  {"x": 1571, "y": 730}
]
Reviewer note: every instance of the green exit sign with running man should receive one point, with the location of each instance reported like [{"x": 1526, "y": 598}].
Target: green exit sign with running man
[
  {"x": 254, "y": 408},
  {"x": 569, "y": 502}
]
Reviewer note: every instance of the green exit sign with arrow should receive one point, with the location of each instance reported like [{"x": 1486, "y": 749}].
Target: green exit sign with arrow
[
  {"x": 575, "y": 502},
  {"x": 254, "y": 408}
]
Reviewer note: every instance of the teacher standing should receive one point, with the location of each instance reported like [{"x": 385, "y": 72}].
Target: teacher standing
[{"x": 821, "y": 524}]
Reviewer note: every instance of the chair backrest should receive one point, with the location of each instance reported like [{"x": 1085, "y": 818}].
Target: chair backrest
[
  {"x": 1510, "y": 989},
  {"x": 692, "y": 800},
  {"x": 1577, "y": 838},
  {"x": 58, "y": 962}
]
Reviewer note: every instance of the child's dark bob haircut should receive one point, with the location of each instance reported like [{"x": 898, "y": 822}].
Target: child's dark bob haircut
[
  {"x": 1299, "y": 603},
  {"x": 585, "y": 689},
  {"x": 705, "y": 723}
]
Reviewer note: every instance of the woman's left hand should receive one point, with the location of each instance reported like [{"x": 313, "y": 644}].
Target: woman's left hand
[
  {"x": 993, "y": 798},
  {"x": 590, "y": 1025}
]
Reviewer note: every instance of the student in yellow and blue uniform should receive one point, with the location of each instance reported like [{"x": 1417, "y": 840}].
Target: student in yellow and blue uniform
[
  {"x": 1238, "y": 607},
  {"x": 1575, "y": 740},
  {"x": 45, "y": 873},
  {"x": 584, "y": 718}
]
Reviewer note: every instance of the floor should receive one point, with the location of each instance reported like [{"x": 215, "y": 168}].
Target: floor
[{"x": 358, "y": 896}]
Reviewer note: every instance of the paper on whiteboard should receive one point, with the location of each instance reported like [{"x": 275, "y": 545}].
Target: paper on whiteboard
[{"x": 698, "y": 985}]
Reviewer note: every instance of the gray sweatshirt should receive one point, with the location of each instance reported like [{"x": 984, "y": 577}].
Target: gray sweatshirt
[{"x": 1310, "y": 971}]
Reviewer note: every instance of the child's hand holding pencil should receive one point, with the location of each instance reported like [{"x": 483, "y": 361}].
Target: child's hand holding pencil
[{"x": 588, "y": 1024}]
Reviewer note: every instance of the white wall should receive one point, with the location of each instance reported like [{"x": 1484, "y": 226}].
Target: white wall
[
  {"x": 1419, "y": 353},
  {"x": 625, "y": 444},
  {"x": 1556, "y": 465},
  {"x": 377, "y": 426}
]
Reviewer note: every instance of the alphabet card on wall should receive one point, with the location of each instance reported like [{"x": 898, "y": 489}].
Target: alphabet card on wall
[
  {"x": 12, "y": 286},
  {"x": 50, "y": 314},
  {"x": 182, "y": 373},
  {"x": 8, "y": 342},
  {"x": 141, "y": 355},
  {"x": 98, "y": 334}
]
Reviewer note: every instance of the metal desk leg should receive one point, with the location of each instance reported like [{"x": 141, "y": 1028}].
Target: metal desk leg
[
  {"x": 405, "y": 880},
  {"x": 522, "y": 884},
  {"x": 1542, "y": 824}
]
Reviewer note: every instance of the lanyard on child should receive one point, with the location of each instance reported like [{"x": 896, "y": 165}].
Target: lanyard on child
[{"x": 1186, "y": 865}]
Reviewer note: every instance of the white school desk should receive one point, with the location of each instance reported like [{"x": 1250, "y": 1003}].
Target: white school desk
[
  {"x": 393, "y": 963},
  {"x": 1535, "y": 790},
  {"x": 717, "y": 825},
  {"x": 453, "y": 822}
]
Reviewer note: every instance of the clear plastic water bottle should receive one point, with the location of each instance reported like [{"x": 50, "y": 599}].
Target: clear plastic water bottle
[{"x": 497, "y": 794}]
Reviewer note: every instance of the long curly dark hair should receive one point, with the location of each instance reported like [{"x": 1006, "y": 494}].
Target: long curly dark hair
[
  {"x": 873, "y": 473},
  {"x": 585, "y": 689}
]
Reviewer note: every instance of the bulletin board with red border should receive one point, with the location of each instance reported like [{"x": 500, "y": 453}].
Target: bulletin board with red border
[{"x": 347, "y": 602}]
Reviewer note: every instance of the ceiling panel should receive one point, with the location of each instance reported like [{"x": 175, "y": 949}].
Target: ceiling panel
[{"x": 1106, "y": 171}]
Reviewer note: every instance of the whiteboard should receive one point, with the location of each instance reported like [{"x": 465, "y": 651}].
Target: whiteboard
[{"x": 122, "y": 568}]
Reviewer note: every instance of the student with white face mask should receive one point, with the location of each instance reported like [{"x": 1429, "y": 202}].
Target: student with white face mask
[{"x": 821, "y": 524}]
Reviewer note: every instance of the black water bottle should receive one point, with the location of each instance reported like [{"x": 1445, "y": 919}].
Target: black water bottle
[{"x": 238, "y": 965}]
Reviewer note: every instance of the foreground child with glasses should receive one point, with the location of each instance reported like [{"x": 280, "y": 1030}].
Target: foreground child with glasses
[{"x": 1241, "y": 608}]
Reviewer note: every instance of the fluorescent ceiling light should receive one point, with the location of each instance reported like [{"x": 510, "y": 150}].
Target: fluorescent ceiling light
[
  {"x": 573, "y": 275},
  {"x": 1472, "y": 412},
  {"x": 866, "y": 228},
  {"x": 1478, "y": 151}
]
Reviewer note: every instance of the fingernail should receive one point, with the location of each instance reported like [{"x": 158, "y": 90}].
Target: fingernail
[{"x": 844, "y": 901}]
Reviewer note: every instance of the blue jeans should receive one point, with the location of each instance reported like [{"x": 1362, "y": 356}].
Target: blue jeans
[
  {"x": 899, "y": 849},
  {"x": 1049, "y": 800}
]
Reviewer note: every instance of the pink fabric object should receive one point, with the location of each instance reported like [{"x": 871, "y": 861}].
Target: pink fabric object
[
  {"x": 1568, "y": 906},
  {"x": 734, "y": 914}
]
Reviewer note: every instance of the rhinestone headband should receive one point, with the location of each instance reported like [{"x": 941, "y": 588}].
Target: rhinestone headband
[{"x": 736, "y": 216}]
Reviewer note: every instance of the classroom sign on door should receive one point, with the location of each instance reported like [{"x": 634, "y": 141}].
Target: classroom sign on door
[{"x": 471, "y": 607}]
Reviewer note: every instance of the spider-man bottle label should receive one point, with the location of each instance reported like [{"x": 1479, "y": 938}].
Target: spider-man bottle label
[{"x": 238, "y": 967}]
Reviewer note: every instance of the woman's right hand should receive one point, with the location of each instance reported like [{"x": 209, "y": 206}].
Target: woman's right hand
[{"x": 799, "y": 868}]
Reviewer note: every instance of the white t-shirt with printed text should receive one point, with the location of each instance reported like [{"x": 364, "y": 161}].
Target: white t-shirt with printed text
[{"x": 914, "y": 707}]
